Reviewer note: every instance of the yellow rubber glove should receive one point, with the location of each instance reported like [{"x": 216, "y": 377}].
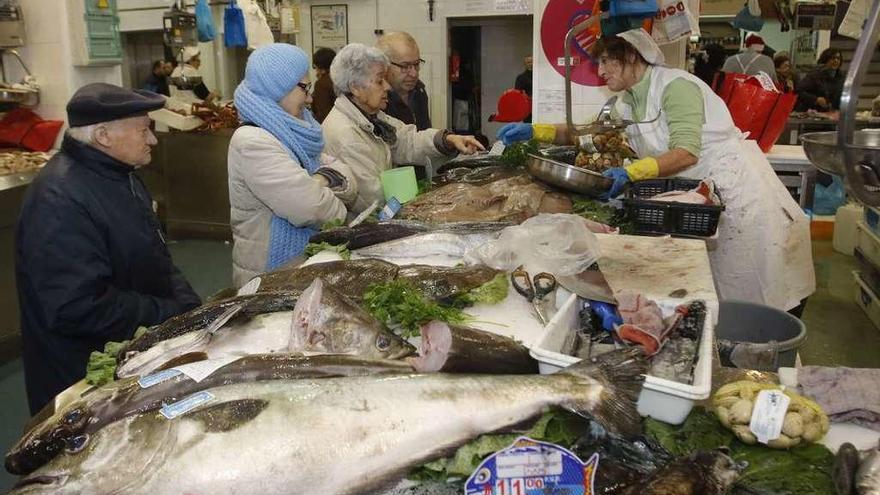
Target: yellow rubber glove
[
  {"x": 545, "y": 133},
  {"x": 646, "y": 168}
]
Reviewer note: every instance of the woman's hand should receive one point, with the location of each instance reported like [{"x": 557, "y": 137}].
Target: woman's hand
[{"x": 466, "y": 145}]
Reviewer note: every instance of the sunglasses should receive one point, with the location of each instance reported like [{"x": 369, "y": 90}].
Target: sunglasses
[{"x": 307, "y": 87}]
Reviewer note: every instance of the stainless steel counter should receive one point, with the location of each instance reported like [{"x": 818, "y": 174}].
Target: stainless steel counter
[{"x": 12, "y": 190}]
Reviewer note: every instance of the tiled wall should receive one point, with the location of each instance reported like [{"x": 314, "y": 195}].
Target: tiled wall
[{"x": 48, "y": 55}]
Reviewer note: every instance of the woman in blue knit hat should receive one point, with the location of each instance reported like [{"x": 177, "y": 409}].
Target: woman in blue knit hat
[{"x": 281, "y": 186}]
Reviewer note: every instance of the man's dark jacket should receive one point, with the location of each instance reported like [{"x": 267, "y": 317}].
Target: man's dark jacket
[
  {"x": 91, "y": 266},
  {"x": 415, "y": 111},
  {"x": 157, "y": 84}
]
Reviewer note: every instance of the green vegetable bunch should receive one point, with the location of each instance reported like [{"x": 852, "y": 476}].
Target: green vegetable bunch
[
  {"x": 602, "y": 213},
  {"x": 516, "y": 154},
  {"x": 102, "y": 365},
  {"x": 315, "y": 248},
  {"x": 492, "y": 292},
  {"x": 399, "y": 303}
]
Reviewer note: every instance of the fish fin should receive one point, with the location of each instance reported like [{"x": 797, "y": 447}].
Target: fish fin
[
  {"x": 621, "y": 374},
  {"x": 303, "y": 324},
  {"x": 229, "y": 415},
  {"x": 189, "y": 357}
]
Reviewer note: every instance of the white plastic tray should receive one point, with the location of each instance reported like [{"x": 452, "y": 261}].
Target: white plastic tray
[{"x": 660, "y": 399}]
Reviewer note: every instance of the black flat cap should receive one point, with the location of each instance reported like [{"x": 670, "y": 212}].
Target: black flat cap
[{"x": 102, "y": 102}]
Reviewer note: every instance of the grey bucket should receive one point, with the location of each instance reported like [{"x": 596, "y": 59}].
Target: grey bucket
[{"x": 758, "y": 337}]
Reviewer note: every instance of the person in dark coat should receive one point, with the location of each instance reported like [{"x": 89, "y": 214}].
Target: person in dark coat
[
  {"x": 157, "y": 82},
  {"x": 407, "y": 99},
  {"x": 323, "y": 95},
  {"x": 821, "y": 89},
  {"x": 90, "y": 259},
  {"x": 524, "y": 80}
]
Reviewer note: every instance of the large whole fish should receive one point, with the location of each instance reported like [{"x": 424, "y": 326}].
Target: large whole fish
[
  {"x": 81, "y": 419},
  {"x": 352, "y": 435},
  {"x": 429, "y": 245},
  {"x": 467, "y": 350},
  {"x": 350, "y": 277},
  {"x": 510, "y": 199},
  {"x": 343, "y": 328},
  {"x": 367, "y": 234}
]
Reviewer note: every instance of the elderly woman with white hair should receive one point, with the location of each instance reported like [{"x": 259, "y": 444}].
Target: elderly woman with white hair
[
  {"x": 185, "y": 72},
  {"x": 361, "y": 135}
]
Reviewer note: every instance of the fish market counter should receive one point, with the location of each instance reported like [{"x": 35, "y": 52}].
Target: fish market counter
[{"x": 12, "y": 190}]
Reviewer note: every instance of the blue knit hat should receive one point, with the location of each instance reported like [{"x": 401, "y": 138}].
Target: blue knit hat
[{"x": 274, "y": 70}]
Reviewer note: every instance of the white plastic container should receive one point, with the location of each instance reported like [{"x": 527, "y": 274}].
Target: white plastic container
[
  {"x": 867, "y": 300},
  {"x": 845, "y": 230},
  {"x": 868, "y": 243},
  {"x": 661, "y": 399}
]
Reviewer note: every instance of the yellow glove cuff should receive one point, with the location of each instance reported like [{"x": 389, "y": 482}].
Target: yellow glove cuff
[
  {"x": 646, "y": 168},
  {"x": 545, "y": 133}
]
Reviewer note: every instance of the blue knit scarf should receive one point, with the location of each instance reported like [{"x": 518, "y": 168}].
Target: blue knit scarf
[{"x": 304, "y": 141}]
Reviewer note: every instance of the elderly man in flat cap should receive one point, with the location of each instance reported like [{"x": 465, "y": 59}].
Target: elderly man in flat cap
[{"x": 91, "y": 261}]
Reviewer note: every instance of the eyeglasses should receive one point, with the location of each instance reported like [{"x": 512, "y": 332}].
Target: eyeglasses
[
  {"x": 407, "y": 66},
  {"x": 307, "y": 87}
]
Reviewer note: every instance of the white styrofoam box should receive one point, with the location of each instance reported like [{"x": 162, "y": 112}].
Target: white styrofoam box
[
  {"x": 867, "y": 300},
  {"x": 868, "y": 243},
  {"x": 661, "y": 399},
  {"x": 871, "y": 219}
]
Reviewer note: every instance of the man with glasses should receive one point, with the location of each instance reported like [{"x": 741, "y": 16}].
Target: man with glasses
[{"x": 407, "y": 99}]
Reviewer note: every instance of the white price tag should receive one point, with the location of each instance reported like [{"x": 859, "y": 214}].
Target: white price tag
[
  {"x": 769, "y": 414},
  {"x": 200, "y": 370},
  {"x": 183, "y": 406},
  {"x": 251, "y": 287}
]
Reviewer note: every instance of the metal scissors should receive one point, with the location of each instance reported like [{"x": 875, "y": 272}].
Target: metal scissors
[{"x": 536, "y": 290}]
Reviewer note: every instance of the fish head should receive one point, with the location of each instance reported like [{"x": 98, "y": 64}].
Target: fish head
[
  {"x": 719, "y": 468},
  {"x": 65, "y": 429}
]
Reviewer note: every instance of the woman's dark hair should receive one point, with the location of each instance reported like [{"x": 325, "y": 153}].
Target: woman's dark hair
[
  {"x": 323, "y": 58},
  {"x": 617, "y": 48},
  {"x": 158, "y": 64},
  {"x": 829, "y": 53}
]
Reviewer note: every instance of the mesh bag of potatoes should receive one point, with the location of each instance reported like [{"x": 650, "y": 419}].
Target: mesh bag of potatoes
[
  {"x": 599, "y": 152},
  {"x": 805, "y": 422}
]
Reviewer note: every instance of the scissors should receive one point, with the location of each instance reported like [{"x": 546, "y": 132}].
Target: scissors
[{"x": 535, "y": 290}]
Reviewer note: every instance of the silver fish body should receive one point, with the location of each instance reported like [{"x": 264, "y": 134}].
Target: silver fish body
[
  {"x": 442, "y": 243},
  {"x": 868, "y": 475}
]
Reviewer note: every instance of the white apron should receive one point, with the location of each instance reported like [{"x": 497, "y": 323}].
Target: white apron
[
  {"x": 184, "y": 95},
  {"x": 764, "y": 254}
]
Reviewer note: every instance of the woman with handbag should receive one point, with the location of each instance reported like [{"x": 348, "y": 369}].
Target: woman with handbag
[{"x": 764, "y": 251}]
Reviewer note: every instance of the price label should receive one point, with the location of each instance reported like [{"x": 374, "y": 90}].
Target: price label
[
  {"x": 157, "y": 378},
  {"x": 530, "y": 467},
  {"x": 391, "y": 208},
  {"x": 186, "y": 405},
  {"x": 769, "y": 414}
]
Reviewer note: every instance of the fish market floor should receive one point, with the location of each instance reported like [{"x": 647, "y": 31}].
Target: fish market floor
[{"x": 839, "y": 333}]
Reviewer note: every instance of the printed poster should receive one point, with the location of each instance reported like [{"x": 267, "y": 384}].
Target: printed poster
[{"x": 329, "y": 26}]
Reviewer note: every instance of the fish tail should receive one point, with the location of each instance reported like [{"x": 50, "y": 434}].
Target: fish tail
[{"x": 621, "y": 374}]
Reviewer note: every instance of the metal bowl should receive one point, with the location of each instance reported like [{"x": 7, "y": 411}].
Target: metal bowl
[
  {"x": 567, "y": 176},
  {"x": 24, "y": 97},
  {"x": 821, "y": 149}
]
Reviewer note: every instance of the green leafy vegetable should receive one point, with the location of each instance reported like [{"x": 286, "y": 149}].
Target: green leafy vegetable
[
  {"x": 602, "y": 213},
  {"x": 332, "y": 224},
  {"x": 516, "y": 154},
  {"x": 424, "y": 186},
  {"x": 399, "y": 303},
  {"x": 559, "y": 427},
  {"x": 492, "y": 292},
  {"x": 802, "y": 471},
  {"x": 102, "y": 365},
  {"x": 315, "y": 248}
]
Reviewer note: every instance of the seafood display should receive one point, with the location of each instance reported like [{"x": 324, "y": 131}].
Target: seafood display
[
  {"x": 450, "y": 348},
  {"x": 599, "y": 152}
]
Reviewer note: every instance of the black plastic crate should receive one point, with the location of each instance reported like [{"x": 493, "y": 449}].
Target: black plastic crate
[{"x": 664, "y": 217}]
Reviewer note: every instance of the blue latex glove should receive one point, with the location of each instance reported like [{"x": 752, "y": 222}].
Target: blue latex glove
[
  {"x": 620, "y": 178},
  {"x": 607, "y": 313},
  {"x": 513, "y": 133}
]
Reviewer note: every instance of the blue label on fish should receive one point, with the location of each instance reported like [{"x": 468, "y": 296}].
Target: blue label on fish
[
  {"x": 186, "y": 405},
  {"x": 157, "y": 378},
  {"x": 531, "y": 467},
  {"x": 391, "y": 208}
]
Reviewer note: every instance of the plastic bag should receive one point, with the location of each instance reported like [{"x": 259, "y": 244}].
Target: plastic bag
[
  {"x": 828, "y": 199},
  {"x": 745, "y": 20},
  {"x": 204, "y": 21},
  {"x": 233, "y": 26},
  {"x": 673, "y": 22},
  {"x": 559, "y": 243},
  {"x": 255, "y": 24}
]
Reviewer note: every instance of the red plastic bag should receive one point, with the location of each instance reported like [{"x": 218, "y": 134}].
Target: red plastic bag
[
  {"x": 42, "y": 135},
  {"x": 727, "y": 84},
  {"x": 750, "y": 105},
  {"x": 15, "y": 125},
  {"x": 776, "y": 121}
]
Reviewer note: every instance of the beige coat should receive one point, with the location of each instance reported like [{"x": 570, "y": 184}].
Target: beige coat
[
  {"x": 265, "y": 179},
  {"x": 348, "y": 135}
]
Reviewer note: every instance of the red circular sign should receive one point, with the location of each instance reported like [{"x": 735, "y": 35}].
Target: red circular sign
[{"x": 559, "y": 16}]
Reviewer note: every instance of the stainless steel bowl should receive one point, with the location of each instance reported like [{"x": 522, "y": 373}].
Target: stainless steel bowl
[
  {"x": 821, "y": 149},
  {"x": 567, "y": 176}
]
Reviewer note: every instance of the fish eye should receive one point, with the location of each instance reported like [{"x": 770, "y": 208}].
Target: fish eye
[
  {"x": 383, "y": 342},
  {"x": 73, "y": 417},
  {"x": 77, "y": 443}
]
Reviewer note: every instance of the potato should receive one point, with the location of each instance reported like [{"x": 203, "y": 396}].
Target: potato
[
  {"x": 783, "y": 442},
  {"x": 813, "y": 432},
  {"x": 723, "y": 416},
  {"x": 744, "y": 434},
  {"x": 793, "y": 425},
  {"x": 726, "y": 402},
  {"x": 741, "y": 412}
]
